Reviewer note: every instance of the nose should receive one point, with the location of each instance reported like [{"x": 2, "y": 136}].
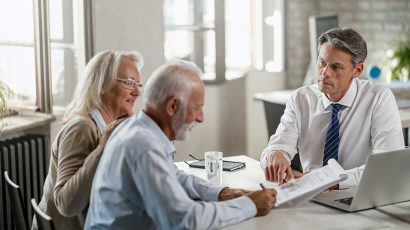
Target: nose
[
  {"x": 136, "y": 92},
  {"x": 327, "y": 71},
  {"x": 200, "y": 117}
]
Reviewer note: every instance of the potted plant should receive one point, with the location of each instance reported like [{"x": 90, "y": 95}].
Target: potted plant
[
  {"x": 400, "y": 66},
  {"x": 4, "y": 92}
]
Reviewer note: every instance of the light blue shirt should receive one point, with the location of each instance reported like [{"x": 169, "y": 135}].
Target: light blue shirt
[{"x": 138, "y": 185}]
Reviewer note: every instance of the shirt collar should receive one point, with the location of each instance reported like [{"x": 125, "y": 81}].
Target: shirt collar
[
  {"x": 153, "y": 126},
  {"x": 96, "y": 115},
  {"x": 346, "y": 100}
]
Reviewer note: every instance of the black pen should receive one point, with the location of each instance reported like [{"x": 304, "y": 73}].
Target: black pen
[
  {"x": 193, "y": 157},
  {"x": 262, "y": 186}
]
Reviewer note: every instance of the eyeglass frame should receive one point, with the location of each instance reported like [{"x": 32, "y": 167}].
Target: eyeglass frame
[{"x": 135, "y": 84}]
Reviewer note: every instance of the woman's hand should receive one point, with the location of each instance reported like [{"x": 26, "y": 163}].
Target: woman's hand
[{"x": 108, "y": 131}]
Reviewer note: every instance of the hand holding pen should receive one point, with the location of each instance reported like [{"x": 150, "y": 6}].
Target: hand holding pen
[{"x": 264, "y": 200}]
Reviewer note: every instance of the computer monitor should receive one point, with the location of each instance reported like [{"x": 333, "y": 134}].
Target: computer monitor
[{"x": 318, "y": 24}]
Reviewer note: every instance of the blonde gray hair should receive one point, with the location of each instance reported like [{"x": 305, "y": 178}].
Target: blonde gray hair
[
  {"x": 174, "y": 78},
  {"x": 98, "y": 75}
]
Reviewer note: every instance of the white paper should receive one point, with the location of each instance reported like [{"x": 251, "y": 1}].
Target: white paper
[{"x": 298, "y": 191}]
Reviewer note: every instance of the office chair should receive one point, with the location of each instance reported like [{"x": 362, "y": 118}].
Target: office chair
[
  {"x": 17, "y": 205},
  {"x": 44, "y": 221},
  {"x": 273, "y": 113}
]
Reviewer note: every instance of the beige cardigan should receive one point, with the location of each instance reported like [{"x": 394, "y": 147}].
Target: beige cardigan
[{"x": 75, "y": 154}]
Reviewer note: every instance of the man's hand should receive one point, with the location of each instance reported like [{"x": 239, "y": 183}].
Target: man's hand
[
  {"x": 278, "y": 168},
  {"x": 298, "y": 174},
  {"x": 334, "y": 187},
  {"x": 264, "y": 200},
  {"x": 229, "y": 193}
]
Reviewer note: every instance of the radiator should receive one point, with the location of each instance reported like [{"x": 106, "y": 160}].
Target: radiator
[{"x": 26, "y": 159}]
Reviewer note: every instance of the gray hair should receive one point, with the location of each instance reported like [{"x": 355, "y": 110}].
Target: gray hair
[
  {"x": 98, "y": 75},
  {"x": 348, "y": 40},
  {"x": 174, "y": 78}
]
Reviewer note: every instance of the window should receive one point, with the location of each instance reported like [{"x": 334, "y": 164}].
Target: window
[
  {"x": 17, "y": 58},
  {"x": 190, "y": 33},
  {"x": 66, "y": 58},
  {"x": 41, "y": 51},
  {"x": 238, "y": 37},
  {"x": 273, "y": 33},
  {"x": 225, "y": 37}
]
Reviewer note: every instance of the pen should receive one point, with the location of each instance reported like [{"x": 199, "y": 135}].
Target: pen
[
  {"x": 237, "y": 167},
  {"x": 193, "y": 157},
  {"x": 262, "y": 186}
]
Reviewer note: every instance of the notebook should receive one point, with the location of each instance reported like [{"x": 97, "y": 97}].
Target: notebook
[
  {"x": 385, "y": 180},
  {"x": 227, "y": 165}
]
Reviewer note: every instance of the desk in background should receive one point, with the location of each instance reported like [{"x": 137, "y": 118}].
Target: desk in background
[{"x": 310, "y": 215}]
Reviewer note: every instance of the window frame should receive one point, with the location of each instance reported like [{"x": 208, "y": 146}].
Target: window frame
[
  {"x": 263, "y": 49},
  {"x": 79, "y": 30},
  {"x": 273, "y": 54},
  {"x": 42, "y": 57}
]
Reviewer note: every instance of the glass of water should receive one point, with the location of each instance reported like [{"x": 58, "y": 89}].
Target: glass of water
[{"x": 213, "y": 167}]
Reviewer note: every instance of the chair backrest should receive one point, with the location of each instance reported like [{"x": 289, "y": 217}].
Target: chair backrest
[
  {"x": 44, "y": 221},
  {"x": 17, "y": 205}
]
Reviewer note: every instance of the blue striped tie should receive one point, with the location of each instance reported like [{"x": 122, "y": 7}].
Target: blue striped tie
[{"x": 332, "y": 135}]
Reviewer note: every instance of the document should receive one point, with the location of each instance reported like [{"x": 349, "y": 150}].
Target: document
[{"x": 299, "y": 191}]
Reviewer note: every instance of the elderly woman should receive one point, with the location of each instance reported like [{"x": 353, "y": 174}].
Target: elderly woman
[{"x": 106, "y": 92}]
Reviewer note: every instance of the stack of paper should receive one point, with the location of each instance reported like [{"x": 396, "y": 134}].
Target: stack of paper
[{"x": 298, "y": 191}]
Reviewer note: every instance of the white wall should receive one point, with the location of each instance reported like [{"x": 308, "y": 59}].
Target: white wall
[
  {"x": 256, "y": 127},
  {"x": 232, "y": 115},
  {"x": 131, "y": 25}
]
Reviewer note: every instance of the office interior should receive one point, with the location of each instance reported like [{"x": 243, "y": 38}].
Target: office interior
[
  {"x": 245, "y": 47},
  {"x": 269, "y": 39}
]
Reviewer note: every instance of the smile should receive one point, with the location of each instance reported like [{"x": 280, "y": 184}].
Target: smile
[{"x": 131, "y": 101}]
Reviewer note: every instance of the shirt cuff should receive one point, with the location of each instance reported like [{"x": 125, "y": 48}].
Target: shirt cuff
[
  {"x": 212, "y": 193},
  {"x": 248, "y": 208},
  {"x": 353, "y": 178},
  {"x": 267, "y": 152}
]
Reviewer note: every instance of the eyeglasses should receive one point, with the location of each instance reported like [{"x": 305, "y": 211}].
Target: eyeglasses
[{"x": 129, "y": 83}]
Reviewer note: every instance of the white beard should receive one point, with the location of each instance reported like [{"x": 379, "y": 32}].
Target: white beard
[{"x": 182, "y": 131}]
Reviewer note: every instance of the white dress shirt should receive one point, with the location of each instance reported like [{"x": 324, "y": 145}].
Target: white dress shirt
[
  {"x": 137, "y": 185},
  {"x": 369, "y": 123}
]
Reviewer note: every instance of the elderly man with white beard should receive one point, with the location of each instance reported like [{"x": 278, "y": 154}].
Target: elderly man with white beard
[{"x": 137, "y": 183}]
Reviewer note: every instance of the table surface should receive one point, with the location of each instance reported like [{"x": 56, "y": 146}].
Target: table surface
[{"x": 310, "y": 215}]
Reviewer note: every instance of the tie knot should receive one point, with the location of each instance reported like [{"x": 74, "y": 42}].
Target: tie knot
[{"x": 336, "y": 108}]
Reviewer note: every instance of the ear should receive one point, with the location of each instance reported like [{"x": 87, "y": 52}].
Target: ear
[
  {"x": 103, "y": 90},
  {"x": 358, "y": 69},
  {"x": 172, "y": 105}
]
